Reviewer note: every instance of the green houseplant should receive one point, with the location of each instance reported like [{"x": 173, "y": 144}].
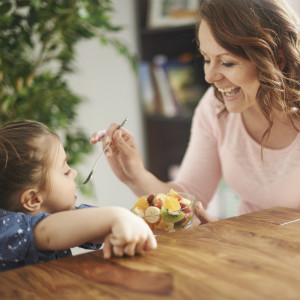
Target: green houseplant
[{"x": 37, "y": 50}]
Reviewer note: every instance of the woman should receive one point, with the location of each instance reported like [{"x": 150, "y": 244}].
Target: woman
[{"x": 246, "y": 127}]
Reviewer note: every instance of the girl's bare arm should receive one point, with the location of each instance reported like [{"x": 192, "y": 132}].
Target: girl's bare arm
[{"x": 68, "y": 229}]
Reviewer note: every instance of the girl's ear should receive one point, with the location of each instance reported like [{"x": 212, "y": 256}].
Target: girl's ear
[
  {"x": 31, "y": 200},
  {"x": 281, "y": 59}
]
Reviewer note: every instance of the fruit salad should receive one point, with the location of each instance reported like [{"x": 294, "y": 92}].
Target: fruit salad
[{"x": 166, "y": 212}]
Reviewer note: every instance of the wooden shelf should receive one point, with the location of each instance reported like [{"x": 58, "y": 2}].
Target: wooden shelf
[
  {"x": 171, "y": 41},
  {"x": 166, "y": 138}
]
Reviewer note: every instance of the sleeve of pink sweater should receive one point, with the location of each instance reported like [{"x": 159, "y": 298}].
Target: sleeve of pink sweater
[{"x": 200, "y": 171}]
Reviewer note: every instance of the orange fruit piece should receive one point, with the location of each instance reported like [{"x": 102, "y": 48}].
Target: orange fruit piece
[
  {"x": 163, "y": 226},
  {"x": 172, "y": 203},
  {"x": 142, "y": 203},
  {"x": 174, "y": 194}
]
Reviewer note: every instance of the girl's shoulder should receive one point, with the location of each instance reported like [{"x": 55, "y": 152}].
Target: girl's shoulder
[
  {"x": 17, "y": 245},
  {"x": 17, "y": 222}
]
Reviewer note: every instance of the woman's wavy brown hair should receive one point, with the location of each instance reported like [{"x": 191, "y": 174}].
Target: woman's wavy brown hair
[
  {"x": 24, "y": 160},
  {"x": 258, "y": 30}
]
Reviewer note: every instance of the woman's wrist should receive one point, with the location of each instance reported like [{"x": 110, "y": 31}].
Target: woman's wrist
[
  {"x": 147, "y": 183},
  {"x": 140, "y": 183}
]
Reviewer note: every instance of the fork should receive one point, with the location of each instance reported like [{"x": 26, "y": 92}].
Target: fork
[{"x": 103, "y": 151}]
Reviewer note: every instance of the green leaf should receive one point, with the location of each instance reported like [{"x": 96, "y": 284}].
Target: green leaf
[
  {"x": 47, "y": 34},
  {"x": 23, "y": 3},
  {"x": 5, "y": 8}
]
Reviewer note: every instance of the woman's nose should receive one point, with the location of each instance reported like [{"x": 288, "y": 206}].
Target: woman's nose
[{"x": 212, "y": 74}]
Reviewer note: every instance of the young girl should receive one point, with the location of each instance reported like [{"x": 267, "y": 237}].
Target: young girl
[{"x": 38, "y": 217}]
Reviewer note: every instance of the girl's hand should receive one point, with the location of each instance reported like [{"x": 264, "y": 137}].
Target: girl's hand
[{"x": 129, "y": 235}]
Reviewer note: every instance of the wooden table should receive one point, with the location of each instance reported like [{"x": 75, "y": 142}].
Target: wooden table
[{"x": 254, "y": 256}]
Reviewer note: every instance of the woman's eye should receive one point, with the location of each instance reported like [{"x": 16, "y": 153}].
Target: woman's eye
[
  {"x": 206, "y": 61},
  {"x": 229, "y": 64}
]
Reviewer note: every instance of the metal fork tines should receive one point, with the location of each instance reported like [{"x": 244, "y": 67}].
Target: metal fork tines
[{"x": 103, "y": 151}]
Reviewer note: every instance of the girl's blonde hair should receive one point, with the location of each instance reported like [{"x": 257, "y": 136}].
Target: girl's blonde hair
[{"x": 24, "y": 160}]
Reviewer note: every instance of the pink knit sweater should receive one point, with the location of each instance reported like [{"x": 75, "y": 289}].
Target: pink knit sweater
[{"x": 221, "y": 147}]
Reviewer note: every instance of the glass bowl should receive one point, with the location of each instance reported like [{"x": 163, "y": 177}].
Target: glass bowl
[{"x": 162, "y": 220}]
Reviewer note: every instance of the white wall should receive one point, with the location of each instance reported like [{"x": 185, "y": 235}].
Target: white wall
[
  {"x": 295, "y": 4},
  {"x": 109, "y": 85}
]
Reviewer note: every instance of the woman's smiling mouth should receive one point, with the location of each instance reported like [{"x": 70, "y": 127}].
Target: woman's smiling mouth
[{"x": 230, "y": 91}]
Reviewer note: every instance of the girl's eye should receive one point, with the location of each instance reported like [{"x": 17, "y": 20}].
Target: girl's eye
[
  {"x": 68, "y": 172},
  {"x": 206, "y": 61}
]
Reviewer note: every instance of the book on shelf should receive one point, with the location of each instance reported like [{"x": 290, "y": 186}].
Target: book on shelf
[
  {"x": 185, "y": 79},
  {"x": 147, "y": 90},
  {"x": 166, "y": 96},
  {"x": 155, "y": 91},
  {"x": 170, "y": 88}
]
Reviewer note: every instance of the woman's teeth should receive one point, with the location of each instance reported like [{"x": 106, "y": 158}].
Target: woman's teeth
[{"x": 230, "y": 92}]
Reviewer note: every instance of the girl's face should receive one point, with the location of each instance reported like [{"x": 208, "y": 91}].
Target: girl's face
[
  {"x": 63, "y": 187},
  {"x": 233, "y": 76}
]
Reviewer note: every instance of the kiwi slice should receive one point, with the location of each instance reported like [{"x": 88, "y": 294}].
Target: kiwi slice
[{"x": 171, "y": 218}]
